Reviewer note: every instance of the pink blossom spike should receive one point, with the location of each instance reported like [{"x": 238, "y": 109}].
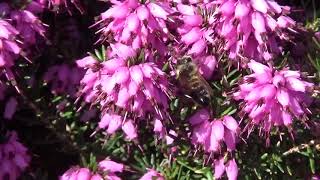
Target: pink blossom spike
[
  {"x": 158, "y": 126},
  {"x": 192, "y": 36},
  {"x": 227, "y": 8},
  {"x": 114, "y": 124},
  {"x": 232, "y": 170},
  {"x": 157, "y": 11},
  {"x": 219, "y": 168},
  {"x": 96, "y": 177},
  {"x": 268, "y": 91},
  {"x": 260, "y": 5},
  {"x": 230, "y": 139},
  {"x": 123, "y": 97},
  {"x": 121, "y": 75},
  {"x": 143, "y": 12},
  {"x": 110, "y": 166},
  {"x": 217, "y": 129},
  {"x": 283, "y": 97},
  {"x": 83, "y": 174},
  {"x": 129, "y": 129},
  {"x": 197, "y": 47},
  {"x": 242, "y": 9},
  {"x": 123, "y": 50},
  {"x": 105, "y": 121},
  {"x": 258, "y": 22},
  {"x": 230, "y": 123},
  {"x": 192, "y": 20},
  {"x": 199, "y": 117},
  {"x": 133, "y": 22},
  {"x": 136, "y": 74},
  {"x": 287, "y": 119}
]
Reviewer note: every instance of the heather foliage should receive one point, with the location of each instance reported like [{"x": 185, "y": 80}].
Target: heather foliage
[{"x": 142, "y": 89}]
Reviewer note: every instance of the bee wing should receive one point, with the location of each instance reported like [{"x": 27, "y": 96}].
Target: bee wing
[{"x": 206, "y": 84}]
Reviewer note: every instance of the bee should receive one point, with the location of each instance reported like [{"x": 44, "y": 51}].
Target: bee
[{"x": 192, "y": 82}]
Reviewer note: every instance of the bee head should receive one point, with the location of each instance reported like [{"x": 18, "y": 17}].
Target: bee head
[
  {"x": 184, "y": 60},
  {"x": 185, "y": 66}
]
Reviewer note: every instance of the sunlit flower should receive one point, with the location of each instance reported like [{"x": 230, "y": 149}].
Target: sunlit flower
[
  {"x": 251, "y": 29},
  {"x": 273, "y": 97}
]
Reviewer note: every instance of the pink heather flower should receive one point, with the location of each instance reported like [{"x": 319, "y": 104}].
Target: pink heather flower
[
  {"x": 252, "y": 28},
  {"x": 9, "y": 49},
  {"x": 152, "y": 175},
  {"x": 158, "y": 127},
  {"x": 199, "y": 117},
  {"x": 136, "y": 24},
  {"x": 28, "y": 25},
  {"x": 230, "y": 168},
  {"x": 76, "y": 173},
  {"x": 136, "y": 89},
  {"x": 197, "y": 36},
  {"x": 96, "y": 177},
  {"x": 84, "y": 174},
  {"x": 110, "y": 166},
  {"x": 206, "y": 64},
  {"x": 106, "y": 167},
  {"x": 272, "y": 97},
  {"x": 129, "y": 129},
  {"x": 25, "y": 21},
  {"x": 219, "y": 168},
  {"x": 63, "y": 79},
  {"x": 13, "y": 157},
  {"x": 25, "y": 24},
  {"x": 211, "y": 134}
]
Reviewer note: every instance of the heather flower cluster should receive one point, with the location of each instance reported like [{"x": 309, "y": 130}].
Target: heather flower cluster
[
  {"x": 216, "y": 136},
  {"x": 252, "y": 29},
  {"x": 125, "y": 93},
  {"x": 212, "y": 133},
  {"x": 24, "y": 24},
  {"x": 137, "y": 24},
  {"x": 196, "y": 35},
  {"x": 107, "y": 169},
  {"x": 230, "y": 168},
  {"x": 13, "y": 157},
  {"x": 9, "y": 47},
  {"x": 272, "y": 97}
]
